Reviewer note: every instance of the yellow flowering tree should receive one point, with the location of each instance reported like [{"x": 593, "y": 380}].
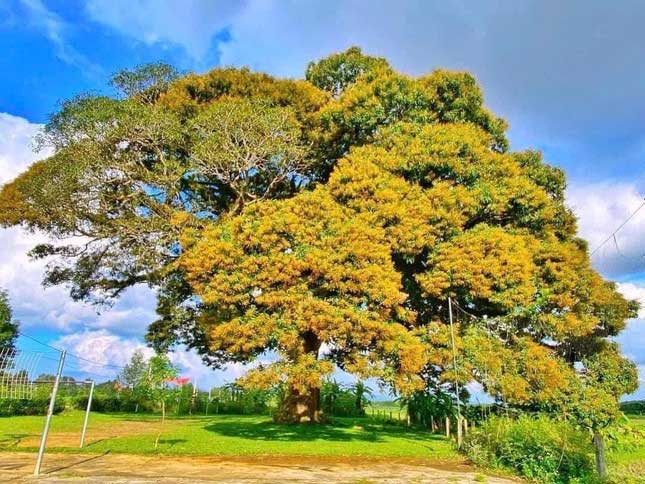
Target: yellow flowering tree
[
  {"x": 311, "y": 281},
  {"x": 328, "y": 220}
]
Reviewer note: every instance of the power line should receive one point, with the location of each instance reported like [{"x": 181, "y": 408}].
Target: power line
[
  {"x": 106, "y": 365},
  {"x": 613, "y": 234},
  {"x": 38, "y": 341},
  {"x": 96, "y": 363}
]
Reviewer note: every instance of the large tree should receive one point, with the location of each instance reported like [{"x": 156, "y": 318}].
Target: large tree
[{"x": 328, "y": 220}]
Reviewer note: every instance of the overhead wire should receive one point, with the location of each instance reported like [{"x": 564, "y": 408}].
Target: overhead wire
[
  {"x": 72, "y": 355},
  {"x": 613, "y": 234}
]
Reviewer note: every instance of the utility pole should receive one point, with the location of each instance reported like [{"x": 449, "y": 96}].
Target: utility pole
[
  {"x": 454, "y": 360},
  {"x": 87, "y": 413},
  {"x": 50, "y": 412}
]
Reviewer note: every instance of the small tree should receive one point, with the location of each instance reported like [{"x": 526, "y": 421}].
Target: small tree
[
  {"x": 160, "y": 372},
  {"x": 425, "y": 406},
  {"x": 361, "y": 393},
  {"x": 606, "y": 377},
  {"x": 8, "y": 327},
  {"x": 330, "y": 392},
  {"x": 132, "y": 377}
]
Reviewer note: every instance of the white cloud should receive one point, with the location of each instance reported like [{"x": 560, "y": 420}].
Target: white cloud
[
  {"x": 191, "y": 365},
  {"x": 189, "y": 23},
  {"x": 632, "y": 344},
  {"x": 601, "y": 208},
  {"x": 97, "y": 349},
  {"x": 34, "y": 305},
  {"x": 634, "y": 292},
  {"x": 101, "y": 354},
  {"x": 108, "y": 338},
  {"x": 539, "y": 63},
  {"x": 16, "y": 152}
]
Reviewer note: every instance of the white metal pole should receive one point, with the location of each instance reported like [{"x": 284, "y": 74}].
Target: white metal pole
[
  {"x": 87, "y": 413},
  {"x": 50, "y": 412},
  {"x": 454, "y": 361}
]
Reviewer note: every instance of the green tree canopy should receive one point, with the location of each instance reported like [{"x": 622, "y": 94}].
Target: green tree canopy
[
  {"x": 8, "y": 327},
  {"x": 328, "y": 220}
]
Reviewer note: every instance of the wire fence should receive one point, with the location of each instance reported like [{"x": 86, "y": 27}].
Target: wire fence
[
  {"x": 33, "y": 371},
  {"x": 17, "y": 373}
]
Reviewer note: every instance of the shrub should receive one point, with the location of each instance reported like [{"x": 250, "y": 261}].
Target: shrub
[
  {"x": 34, "y": 406},
  {"x": 104, "y": 404},
  {"x": 539, "y": 448}
]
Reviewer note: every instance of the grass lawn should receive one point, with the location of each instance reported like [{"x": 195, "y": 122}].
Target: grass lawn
[
  {"x": 224, "y": 435},
  {"x": 628, "y": 462}
]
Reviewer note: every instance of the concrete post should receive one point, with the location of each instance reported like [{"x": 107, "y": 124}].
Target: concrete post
[{"x": 50, "y": 412}]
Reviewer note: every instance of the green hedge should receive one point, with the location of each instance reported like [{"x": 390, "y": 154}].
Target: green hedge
[
  {"x": 36, "y": 406},
  {"x": 539, "y": 448}
]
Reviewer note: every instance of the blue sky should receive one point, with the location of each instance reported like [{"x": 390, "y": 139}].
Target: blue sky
[{"x": 568, "y": 78}]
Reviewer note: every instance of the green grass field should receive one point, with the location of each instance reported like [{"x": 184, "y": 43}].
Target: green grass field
[
  {"x": 224, "y": 435},
  {"x": 627, "y": 460},
  {"x": 236, "y": 435}
]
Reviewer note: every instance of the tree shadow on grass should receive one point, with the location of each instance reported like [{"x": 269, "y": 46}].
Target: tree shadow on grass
[
  {"x": 98, "y": 441},
  {"x": 172, "y": 442},
  {"x": 76, "y": 463},
  {"x": 335, "y": 431},
  {"x": 13, "y": 440}
]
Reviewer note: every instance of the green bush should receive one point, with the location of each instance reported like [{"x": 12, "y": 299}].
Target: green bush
[
  {"x": 34, "y": 406},
  {"x": 539, "y": 448},
  {"x": 105, "y": 404}
]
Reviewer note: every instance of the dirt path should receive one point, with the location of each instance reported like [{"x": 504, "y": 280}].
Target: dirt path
[{"x": 119, "y": 468}]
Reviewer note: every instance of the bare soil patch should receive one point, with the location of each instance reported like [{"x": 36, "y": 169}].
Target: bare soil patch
[
  {"x": 96, "y": 433},
  {"x": 120, "y": 468}
]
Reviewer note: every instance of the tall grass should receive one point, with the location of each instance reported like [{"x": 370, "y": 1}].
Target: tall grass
[{"x": 538, "y": 448}]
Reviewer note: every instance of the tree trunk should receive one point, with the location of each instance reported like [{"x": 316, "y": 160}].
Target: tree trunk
[
  {"x": 601, "y": 464},
  {"x": 163, "y": 419},
  {"x": 298, "y": 406},
  {"x": 301, "y": 407}
]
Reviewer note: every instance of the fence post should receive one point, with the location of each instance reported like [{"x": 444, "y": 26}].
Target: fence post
[
  {"x": 454, "y": 359},
  {"x": 447, "y": 426},
  {"x": 50, "y": 412},
  {"x": 87, "y": 414}
]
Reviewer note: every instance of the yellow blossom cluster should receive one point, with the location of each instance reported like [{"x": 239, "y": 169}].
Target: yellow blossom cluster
[{"x": 418, "y": 199}]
